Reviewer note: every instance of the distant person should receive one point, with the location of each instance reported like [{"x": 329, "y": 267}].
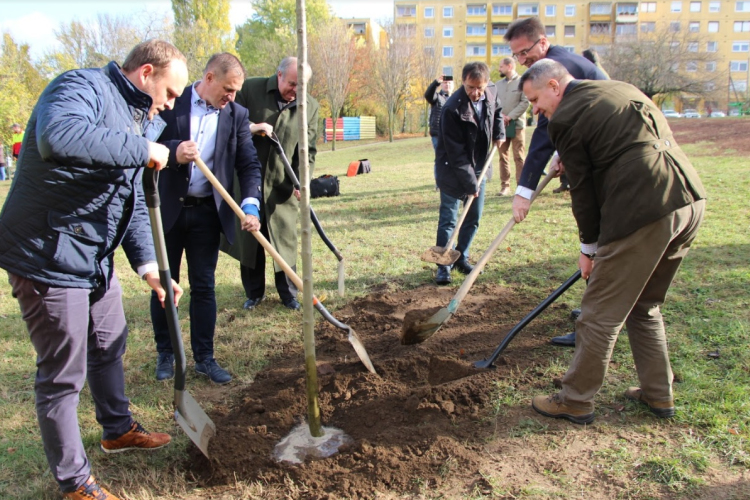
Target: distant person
[
  {"x": 206, "y": 124},
  {"x": 592, "y": 55},
  {"x": 17, "y": 140},
  {"x": 272, "y": 102},
  {"x": 638, "y": 203},
  {"x": 436, "y": 94},
  {"x": 4, "y": 174},
  {"x": 470, "y": 124},
  {"x": 77, "y": 197},
  {"x": 514, "y": 104}
]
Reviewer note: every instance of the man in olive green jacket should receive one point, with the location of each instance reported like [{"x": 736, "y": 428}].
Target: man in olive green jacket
[
  {"x": 638, "y": 203},
  {"x": 272, "y": 103}
]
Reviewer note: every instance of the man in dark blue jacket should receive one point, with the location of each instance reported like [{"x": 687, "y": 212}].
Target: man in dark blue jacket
[
  {"x": 77, "y": 198},
  {"x": 205, "y": 123},
  {"x": 470, "y": 123}
]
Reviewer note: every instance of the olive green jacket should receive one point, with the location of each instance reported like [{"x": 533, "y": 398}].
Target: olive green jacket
[
  {"x": 624, "y": 167},
  {"x": 279, "y": 208}
]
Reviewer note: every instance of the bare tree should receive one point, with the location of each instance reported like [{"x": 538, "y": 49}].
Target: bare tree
[
  {"x": 333, "y": 55},
  {"x": 427, "y": 67},
  {"x": 393, "y": 70},
  {"x": 665, "y": 61}
]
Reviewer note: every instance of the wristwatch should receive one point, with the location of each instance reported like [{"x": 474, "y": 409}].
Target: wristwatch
[{"x": 589, "y": 255}]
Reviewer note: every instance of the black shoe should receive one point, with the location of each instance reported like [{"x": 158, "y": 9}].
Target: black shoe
[
  {"x": 252, "y": 303},
  {"x": 292, "y": 304},
  {"x": 568, "y": 340},
  {"x": 165, "y": 366},
  {"x": 213, "y": 371},
  {"x": 462, "y": 266},
  {"x": 561, "y": 189},
  {"x": 443, "y": 276},
  {"x": 574, "y": 314}
]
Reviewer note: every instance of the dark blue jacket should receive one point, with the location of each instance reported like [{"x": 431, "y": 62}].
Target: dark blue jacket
[
  {"x": 464, "y": 143},
  {"x": 234, "y": 150},
  {"x": 541, "y": 148},
  {"x": 77, "y": 193}
]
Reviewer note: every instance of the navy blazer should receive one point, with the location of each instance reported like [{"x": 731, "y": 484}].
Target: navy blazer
[{"x": 234, "y": 151}]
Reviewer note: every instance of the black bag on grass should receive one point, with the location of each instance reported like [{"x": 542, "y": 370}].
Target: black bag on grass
[{"x": 325, "y": 185}]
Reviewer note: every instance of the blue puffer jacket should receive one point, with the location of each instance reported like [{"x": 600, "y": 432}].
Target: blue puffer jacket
[{"x": 77, "y": 193}]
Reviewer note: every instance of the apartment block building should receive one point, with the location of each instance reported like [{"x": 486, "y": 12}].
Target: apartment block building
[{"x": 471, "y": 30}]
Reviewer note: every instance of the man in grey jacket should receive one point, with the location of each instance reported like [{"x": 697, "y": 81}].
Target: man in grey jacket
[
  {"x": 76, "y": 199},
  {"x": 514, "y": 105}
]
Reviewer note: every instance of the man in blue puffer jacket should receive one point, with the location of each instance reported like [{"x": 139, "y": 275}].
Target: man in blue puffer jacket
[{"x": 77, "y": 196}]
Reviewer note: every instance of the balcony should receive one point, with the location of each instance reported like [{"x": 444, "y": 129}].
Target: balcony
[
  {"x": 626, "y": 13},
  {"x": 527, "y": 9},
  {"x": 502, "y": 13},
  {"x": 600, "y": 12},
  {"x": 600, "y": 33}
]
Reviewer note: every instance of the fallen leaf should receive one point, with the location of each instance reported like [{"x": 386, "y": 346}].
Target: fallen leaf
[
  {"x": 714, "y": 354},
  {"x": 734, "y": 431},
  {"x": 12, "y": 450}
]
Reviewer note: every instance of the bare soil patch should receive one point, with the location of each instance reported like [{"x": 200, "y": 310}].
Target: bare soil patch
[{"x": 720, "y": 135}]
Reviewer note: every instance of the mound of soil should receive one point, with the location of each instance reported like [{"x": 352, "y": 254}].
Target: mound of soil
[{"x": 426, "y": 407}]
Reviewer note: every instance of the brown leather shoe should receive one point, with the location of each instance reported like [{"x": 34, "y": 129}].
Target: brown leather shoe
[
  {"x": 504, "y": 192},
  {"x": 137, "y": 438},
  {"x": 90, "y": 490},
  {"x": 552, "y": 406},
  {"x": 662, "y": 409}
]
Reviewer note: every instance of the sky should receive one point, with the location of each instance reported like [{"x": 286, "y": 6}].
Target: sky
[{"x": 34, "y": 21}]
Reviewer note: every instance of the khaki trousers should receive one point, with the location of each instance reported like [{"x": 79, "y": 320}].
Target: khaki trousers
[
  {"x": 628, "y": 285},
  {"x": 519, "y": 155}
]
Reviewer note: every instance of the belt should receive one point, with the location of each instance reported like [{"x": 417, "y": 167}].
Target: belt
[{"x": 192, "y": 201}]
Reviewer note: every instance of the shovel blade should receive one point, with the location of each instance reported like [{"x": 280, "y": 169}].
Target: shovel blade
[
  {"x": 194, "y": 421},
  {"x": 441, "y": 256},
  {"x": 416, "y": 330},
  {"x": 359, "y": 347}
]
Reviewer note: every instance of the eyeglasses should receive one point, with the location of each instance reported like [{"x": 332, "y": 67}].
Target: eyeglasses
[{"x": 524, "y": 52}]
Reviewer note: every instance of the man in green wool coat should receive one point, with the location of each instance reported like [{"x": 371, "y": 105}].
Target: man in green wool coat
[{"x": 272, "y": 103}]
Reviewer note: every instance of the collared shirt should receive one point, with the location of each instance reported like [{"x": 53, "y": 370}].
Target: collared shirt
[
  {"x": 204, "y": 121},
  {"x": 479, "y": 107}
]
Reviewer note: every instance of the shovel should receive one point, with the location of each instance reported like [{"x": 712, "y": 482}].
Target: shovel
[
  {"x": 353, "y": 338},
  {"x": 415, "y": 329},
  {"x": 188, "y": 414},
  {"x": 290, "y": 172},
  {"x": 488, "y": 362},
  {"x": 447, "y": 255}
]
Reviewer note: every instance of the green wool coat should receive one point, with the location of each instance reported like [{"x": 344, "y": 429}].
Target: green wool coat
[
  {"x": 279, "y": 207},
  {"x": 624, "y": 166}
]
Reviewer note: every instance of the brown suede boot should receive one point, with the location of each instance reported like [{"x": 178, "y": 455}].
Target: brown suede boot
[
  {"x": 552, "y": 406},
  {"x": 662, "y": 409}
]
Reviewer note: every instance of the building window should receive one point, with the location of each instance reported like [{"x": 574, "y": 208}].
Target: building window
[
  {"x": 600, "y": 9},
  {"x": 447, "y": 11},
  {"x": 648, "y": 6},
  {"x": 476, "y": 50},
  {"x": 447, "y": 51},
  {"x": 738, "y": 66},
  {"x": 711, "y": 66},
  {"x": 406, "y": 11},
  {"x": 528, "y": 9},
  {"x": 694, "y": 27},
  {"x": 429, "y": 32},
  {"x": 674, "y": 26},
  {"x": 740, "y": 85},
  {"x": 429, "y": 12},
  {"x": 448, "y": 70},
  {"x": 626, "y": 29},
  {"x": 711, "y": 47},
  {"x": 549, "y": 30},
  {"x": 597, "y": 29},
  {"x": 692, "y": 47},
  {"x": 740, "y": 46},
  {"x": 713, "y": 26},
  {"x": 502, "y": 9},
  {"x": 476, "y": 29},
  {"x": 648, "y": 27},
  {"x": 569, "y": 48},
  {"x": 627, "y": 9},
  {"x": 550, "y": 10},
  {"x": 408, "y": 30},
  {"x": 714, "y": 6},
  {"x": 695, "y": 6},
  {"x": 570, "y": 10},
  {"x": 499, "y": 29},
  {"x": 447, "y": 31},
  {"x": 476, "y": 10},
  {"x": 691, "y": 67},
  {"x": 740, "y": 26},
  {"x": 742, "y": 6},
  {"x": 358, "y": 28},
  {"x": 570, "y": 31},
  {"x": 676, "y": 6},
  {"x": 500, "y": 50}
]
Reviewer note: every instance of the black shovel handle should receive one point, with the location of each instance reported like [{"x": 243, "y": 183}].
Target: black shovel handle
[
  {"x": 487, "y": 363},
  {"x": 151, "y": 192}
]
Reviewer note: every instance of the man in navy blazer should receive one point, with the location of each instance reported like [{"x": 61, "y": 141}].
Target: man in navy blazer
[{"x": 206, "y": 124}]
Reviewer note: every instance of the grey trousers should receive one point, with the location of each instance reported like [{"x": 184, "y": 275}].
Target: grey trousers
[
  {"x": 78, "y": 334},
  {"x": 628, "y": 285}
]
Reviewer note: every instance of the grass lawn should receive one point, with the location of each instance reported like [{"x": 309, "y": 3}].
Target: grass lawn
[{"x": 382, "y": 222}]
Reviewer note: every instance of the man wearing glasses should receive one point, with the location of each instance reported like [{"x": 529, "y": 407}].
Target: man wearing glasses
[{"x": 529, "y": 44}]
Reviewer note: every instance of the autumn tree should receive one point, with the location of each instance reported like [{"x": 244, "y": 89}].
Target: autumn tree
[
  {"x": 666, "y": 61},
  {"x": 332, "y": 51},
  {"x": 270, "y": 34},
  {"x": 428, "y": 66},
  {"x": 201, "y": 29}
]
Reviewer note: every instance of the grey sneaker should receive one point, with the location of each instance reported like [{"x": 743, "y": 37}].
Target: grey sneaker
[{"x": 210, "y": 368}]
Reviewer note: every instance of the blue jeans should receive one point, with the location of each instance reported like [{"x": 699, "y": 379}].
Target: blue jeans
[
  {"x": 449, "y": 212},
  {"x": 434, "y": 147},
  {"x": 197, "y": 232}
]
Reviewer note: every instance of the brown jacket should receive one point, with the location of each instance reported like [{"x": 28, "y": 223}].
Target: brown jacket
[{"x": 624, "y": 166}]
